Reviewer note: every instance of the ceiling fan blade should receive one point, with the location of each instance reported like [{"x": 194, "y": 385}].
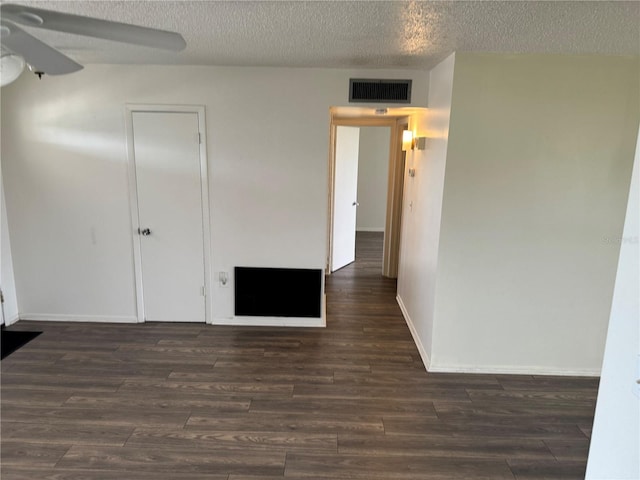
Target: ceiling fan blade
[
  {"x": 40, "y": 56},
  {"x": 93, "y": 27}
]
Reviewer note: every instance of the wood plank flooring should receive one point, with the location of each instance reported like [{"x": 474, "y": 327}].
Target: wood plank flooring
[{"x": 352, "y": 401}]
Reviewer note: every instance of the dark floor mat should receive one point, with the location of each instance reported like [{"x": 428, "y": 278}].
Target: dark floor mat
[{"x": 12, "y": 340}]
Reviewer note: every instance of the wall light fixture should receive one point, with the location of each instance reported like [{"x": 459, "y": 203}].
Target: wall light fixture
[{"x": 407, "y": 140}]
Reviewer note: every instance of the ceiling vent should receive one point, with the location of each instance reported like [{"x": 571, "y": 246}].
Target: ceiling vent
[{"x": 362, "y": 90}]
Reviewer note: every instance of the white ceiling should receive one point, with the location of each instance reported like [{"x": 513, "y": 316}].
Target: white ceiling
[{"x": 369, "y": 34}]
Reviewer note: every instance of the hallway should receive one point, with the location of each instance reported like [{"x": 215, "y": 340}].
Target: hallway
[{"x": 352, "y": 401}]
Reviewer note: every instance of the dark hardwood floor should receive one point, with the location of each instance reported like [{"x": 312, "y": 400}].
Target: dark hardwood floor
[{"x": 352, "y": 401}]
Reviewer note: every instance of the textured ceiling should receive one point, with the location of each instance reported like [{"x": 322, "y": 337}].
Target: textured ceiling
[{"x": 371, "y": 34}]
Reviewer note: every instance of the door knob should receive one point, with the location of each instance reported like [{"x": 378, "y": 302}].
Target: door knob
[
  {"x": 356, "y": 204},
  {"x": 146, "y": 232}
]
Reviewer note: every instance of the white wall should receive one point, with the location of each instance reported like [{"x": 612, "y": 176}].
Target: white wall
[
  {"x": 7, "y": 283},
  {"x": 615, "y": 441},
  {"x": 537, "y": 174},
  {"x": 65, "y": 166},
  {"x": 422, "y": 206},
  {"x": 373, "y": 176}
]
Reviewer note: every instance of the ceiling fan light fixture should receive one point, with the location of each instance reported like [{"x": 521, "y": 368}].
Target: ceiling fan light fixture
[{"x": 11, "y": 66}]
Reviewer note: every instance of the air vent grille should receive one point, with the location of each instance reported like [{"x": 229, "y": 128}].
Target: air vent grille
[{"x": 378, "y": 91}]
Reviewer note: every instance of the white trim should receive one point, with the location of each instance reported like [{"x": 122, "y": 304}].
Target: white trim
[
  {"x": 133, "y": 200},
  {"x": 370, "y": 229},
  {"x": 488, "y": 369},
  {"x": 278, "y": 321},
  {"x": 414, "y": 333},
  {"x": 502, "y": 370},
  {"x": 135, "y": 219},
  {"x": 271, "y": 321},
  {"x": 181, "y": 320},
  {"x": 206, "y": 215},
  {"x": 55, "y": 317}
]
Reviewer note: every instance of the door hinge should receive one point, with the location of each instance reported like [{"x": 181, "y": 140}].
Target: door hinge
[
  {"x": 1, "y": 297},
  {"x": 199, "y": 138},
  {"x": 203, "y": 292}
]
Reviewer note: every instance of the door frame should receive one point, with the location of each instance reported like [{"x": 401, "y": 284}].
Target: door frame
[
  {"x": 130, "y": 108},
  {"x": 395, "y": 185}
]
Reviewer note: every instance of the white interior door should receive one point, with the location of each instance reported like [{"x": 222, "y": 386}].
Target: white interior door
[
  {"x": 345, "y": 197},
  {"x": 168, "y": 183}
]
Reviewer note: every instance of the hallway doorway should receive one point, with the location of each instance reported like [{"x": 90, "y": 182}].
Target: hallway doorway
[{"x": 337, "y": 229}]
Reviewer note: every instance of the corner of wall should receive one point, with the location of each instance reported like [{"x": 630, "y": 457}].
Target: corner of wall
[
  {"x": 531, "y": 190},
  {"x": 614, "y": 450},
  {"x": 7, "y": 278},
  {"x": 414, "y": 333},
  {"x": 422, "y": 211}
]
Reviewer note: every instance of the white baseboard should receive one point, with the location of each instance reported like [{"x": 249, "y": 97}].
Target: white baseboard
[
  {"x": 369, "y": 229},
  {"x": 271, "y": 321},
  {"x": 488, "y": 369},
  {"x": 414, "y": 333},
  {"x": 502, "y": 370},
  {"x": 54, "y": 317},
  {"x": 277, "y": 321}
]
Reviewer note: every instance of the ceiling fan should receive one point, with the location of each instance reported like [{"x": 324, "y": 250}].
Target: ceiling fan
[{"x": 19, "y": 47}]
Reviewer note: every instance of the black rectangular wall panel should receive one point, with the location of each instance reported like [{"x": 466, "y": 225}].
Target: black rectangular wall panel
[{"x": 278, "y": 292}]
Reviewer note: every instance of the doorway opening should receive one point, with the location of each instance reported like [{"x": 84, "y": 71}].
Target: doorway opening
[{"x": 349, "y": 127}]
